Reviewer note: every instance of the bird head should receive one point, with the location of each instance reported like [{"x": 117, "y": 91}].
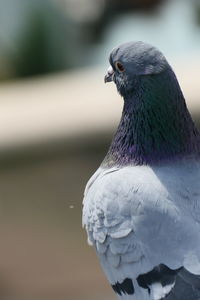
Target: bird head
[
  {"x": 155, "y": 125},
  {"x": 131, "y": 61}
]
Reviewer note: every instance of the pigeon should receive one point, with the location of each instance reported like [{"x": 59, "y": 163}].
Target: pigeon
[{"x": 141, "y": 208}]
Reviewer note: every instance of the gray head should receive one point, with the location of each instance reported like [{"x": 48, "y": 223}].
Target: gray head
[{"x": 131, "y": 60}]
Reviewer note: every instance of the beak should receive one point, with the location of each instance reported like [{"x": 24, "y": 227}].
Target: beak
[{"x": 109, "y": 75}]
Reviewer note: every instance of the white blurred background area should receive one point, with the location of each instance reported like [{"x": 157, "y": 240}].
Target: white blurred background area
[{"x": 56, "y": 121}]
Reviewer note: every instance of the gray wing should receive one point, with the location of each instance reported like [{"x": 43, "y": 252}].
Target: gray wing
[{"x": 147, "y": 240}]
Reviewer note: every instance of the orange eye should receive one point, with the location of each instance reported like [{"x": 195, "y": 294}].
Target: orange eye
[{"x": 119, "y": 66}]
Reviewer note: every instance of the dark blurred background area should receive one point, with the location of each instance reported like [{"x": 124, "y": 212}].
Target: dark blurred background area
[{"x": 56, "y": 121}]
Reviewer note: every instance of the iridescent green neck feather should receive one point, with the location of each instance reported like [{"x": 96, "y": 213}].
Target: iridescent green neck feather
[{"x": 155, "y": 126}]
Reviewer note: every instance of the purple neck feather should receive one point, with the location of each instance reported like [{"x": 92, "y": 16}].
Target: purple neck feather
[{"x": 155, "y": 126}]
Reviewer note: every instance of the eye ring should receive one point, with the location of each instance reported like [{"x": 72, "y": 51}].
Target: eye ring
[{"x": 119, "y": 66}]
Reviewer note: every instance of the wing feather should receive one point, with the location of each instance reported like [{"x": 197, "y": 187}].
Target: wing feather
[{"x": 139, "y": 222}]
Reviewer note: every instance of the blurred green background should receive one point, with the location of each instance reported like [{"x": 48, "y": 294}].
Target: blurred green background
[{"x": 56, "y": 122}]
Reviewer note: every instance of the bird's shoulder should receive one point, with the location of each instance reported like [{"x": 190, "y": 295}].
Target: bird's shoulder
[
  {"x": 127, "y": 191},
  {"x": 119, "y": 201},
  {"x": 174, "y": 185},
  {"x": 144, "y": 216}
]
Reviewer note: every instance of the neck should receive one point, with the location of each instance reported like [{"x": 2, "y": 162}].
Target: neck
[{"x": 155, "y": 125}]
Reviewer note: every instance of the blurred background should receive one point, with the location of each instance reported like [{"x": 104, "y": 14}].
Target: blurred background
[{"x": 56, "y": 121}]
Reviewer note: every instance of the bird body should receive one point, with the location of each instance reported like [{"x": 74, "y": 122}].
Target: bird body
[
  {"x": 141, "y": 221},
  {"x": 141, "y": 208}
]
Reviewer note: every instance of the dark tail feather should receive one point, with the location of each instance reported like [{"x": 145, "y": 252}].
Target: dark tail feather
[{"x": 187, "y": 286}]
